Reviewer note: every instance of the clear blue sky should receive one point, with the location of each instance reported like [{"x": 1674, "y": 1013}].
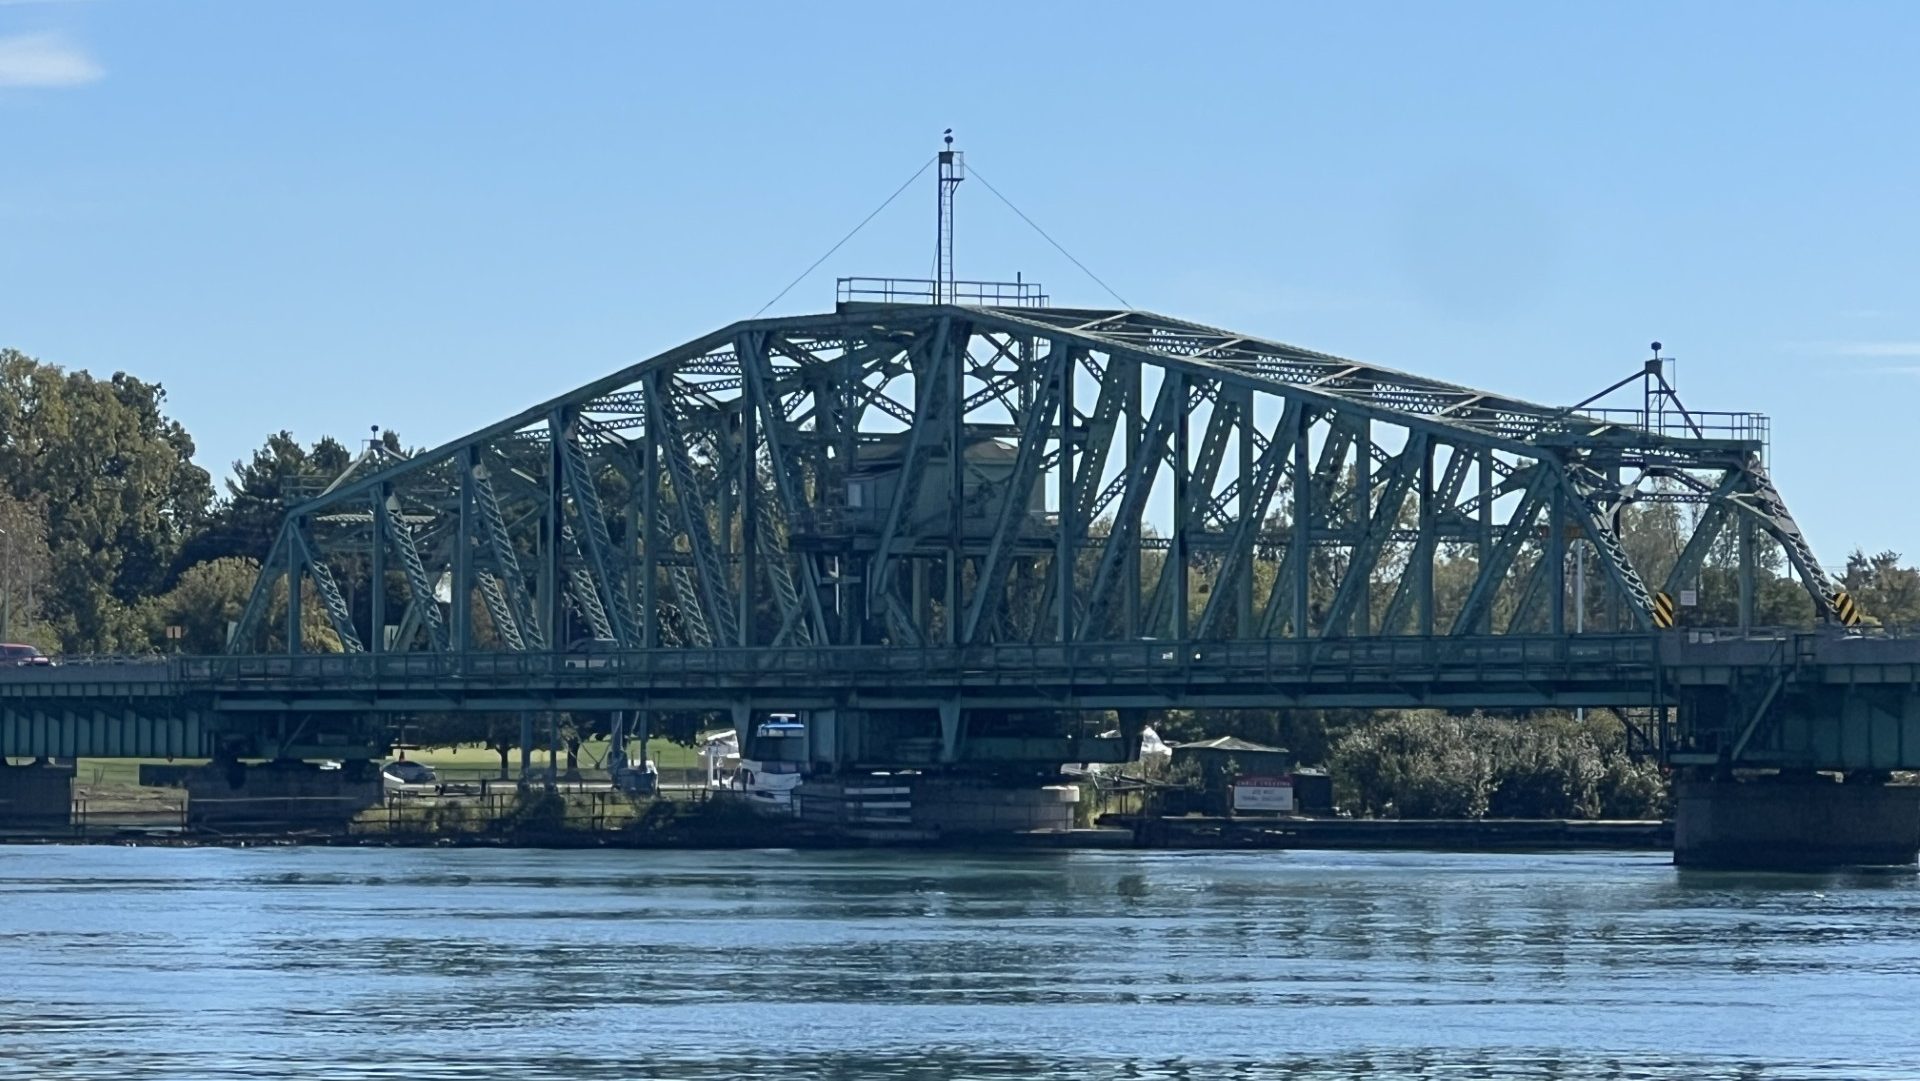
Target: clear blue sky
[{"x": 321, "y": 216}]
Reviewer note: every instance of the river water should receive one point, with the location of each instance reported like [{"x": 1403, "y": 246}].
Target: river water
[{"x": 429, "y": 964}]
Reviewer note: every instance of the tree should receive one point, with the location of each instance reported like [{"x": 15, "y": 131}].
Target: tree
[
  {"x": 1885, "y": 591},
  {"x": 25, "y": 565},
  {"x": 258, "y": 493},
  {"x": 120, "y": 491},
  {"x": 207, "y": 598},
  {"x": 1433, "y": 765},
  {"x": 498, "y": 731}
]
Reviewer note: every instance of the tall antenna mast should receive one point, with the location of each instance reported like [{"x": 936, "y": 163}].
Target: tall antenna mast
[{"x": 953, "y": 169}]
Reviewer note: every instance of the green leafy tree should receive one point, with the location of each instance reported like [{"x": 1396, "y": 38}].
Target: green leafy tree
[
  {"x": 1424, "y": 764},
  {"x": 1886, "y": 591},
  {"x": 207, "y": 598},
  {"x": 25, "y": 566},
  {"x": 119, "y": 487},
  {"x": 258, "y": 493}
]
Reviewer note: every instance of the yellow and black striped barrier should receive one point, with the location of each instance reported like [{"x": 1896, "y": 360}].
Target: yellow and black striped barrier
[
  {"x": 1663, "y": 610},
  {"x": 1844, "y": 609}
]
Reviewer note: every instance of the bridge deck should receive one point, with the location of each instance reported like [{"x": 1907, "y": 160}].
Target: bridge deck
[
  {"x": 1824, "y": 698},
  {"x": 1382, "y": 673}
]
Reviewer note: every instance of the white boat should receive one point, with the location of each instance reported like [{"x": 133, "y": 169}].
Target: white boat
[{"x": 770, "y": 779}]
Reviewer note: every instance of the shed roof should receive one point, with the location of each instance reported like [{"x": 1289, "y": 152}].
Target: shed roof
[{"x": 1229, "y": 743}]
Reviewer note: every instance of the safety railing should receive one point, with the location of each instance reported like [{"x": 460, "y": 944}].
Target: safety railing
[
  {"x": 927, "y": 291},
  {"x": 1741, "y": 426},
  {"x": 93, "y": 660},
  {"x": 1269, "y": 660}
]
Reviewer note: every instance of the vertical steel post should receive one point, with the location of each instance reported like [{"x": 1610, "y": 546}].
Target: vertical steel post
[
  {"x": 950, "y": 732},
  {"x": 526, "y": 747},
  {"x": 617, "y": 744},
  {"x": 1361, "y": 615},
  {"x": 553, "y": 569},
  {"x": 378, "y": 564},
  {"x": 749, "y": 502},
  {"x": 1579, "y": 588},
  {"x": 1130, "y": 586},
  {"x": 296, "y": 563},
  {"x": 1484, "y": 622},
  {"x": 1613, "y": 598},
  {"x": 956, "y": 477},
  {"x": 636, "y": 598},
  {"x": 1064, "y": 556},
  {"x": 1745, "y": 570},
  {"x": 1556, "y": 556},
  {"x": 462, "y": 600},
  {"x": 1182, "y": 477},
  {"x": 553, "y": 751},
  {"x": 1303, "y": 500},
  {"x": 1579, "y": 604},
  {"x": 649, "y": 529},
  {"x": 725, "y": 508},
  {"x": 1250, "y": 508},
  {"x": 1423, "y": 571}
]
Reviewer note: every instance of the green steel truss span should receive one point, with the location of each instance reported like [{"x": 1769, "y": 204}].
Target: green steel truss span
[
  {"x": 911, "y": 475},
  {"x": 942, "y": 507}
]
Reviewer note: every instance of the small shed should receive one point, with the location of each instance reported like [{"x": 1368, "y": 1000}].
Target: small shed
[
  {"x": 1247, "y": 757},
  {"x": 1312, "y": 790}
]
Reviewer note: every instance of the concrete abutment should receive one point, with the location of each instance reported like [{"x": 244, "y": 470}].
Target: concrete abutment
[
  {"x": 278, "y": 795},
  {"x": 1795, "y": 823},
  {"x": 936, "y": 806},
  {"x": 38, "y": 796}
]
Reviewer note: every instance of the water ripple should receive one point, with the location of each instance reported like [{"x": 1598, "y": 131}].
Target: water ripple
[{"x": 131, "y": 963}]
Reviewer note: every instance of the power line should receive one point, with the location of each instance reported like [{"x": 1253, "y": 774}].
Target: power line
[
  {"x": 850, "y": 235},
  {"x": 1043, "y": 235}
]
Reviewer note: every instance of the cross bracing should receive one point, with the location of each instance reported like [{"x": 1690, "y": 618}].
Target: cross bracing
[{"x": 925, "y": 475}]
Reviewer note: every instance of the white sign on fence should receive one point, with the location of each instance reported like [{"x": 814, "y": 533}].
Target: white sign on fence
[{"x": 1263, "y": 793}]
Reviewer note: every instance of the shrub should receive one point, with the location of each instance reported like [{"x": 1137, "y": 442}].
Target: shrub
[{"x": 1435, "y": 765}]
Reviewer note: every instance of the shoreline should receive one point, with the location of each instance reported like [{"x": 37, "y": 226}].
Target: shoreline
[{"x": 1162, "y": 834}]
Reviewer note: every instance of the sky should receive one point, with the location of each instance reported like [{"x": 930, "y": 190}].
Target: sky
[{"x": 427, "y": 216}]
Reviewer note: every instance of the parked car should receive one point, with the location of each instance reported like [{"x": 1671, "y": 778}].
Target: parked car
[
  {"x": 23, "y": 656},
  {"x": 405, "y": 772},
  {"x": 591, "y": 653}
]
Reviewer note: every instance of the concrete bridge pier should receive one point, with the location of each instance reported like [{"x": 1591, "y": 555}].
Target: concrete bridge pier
[
  {"x": 279, "y": 795},
  {"x": 37, "y": 796},
  {"x": 1802, "y": 821}
]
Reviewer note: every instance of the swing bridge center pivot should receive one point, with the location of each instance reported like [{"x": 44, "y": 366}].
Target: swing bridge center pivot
[{"x": 949, "y": 524}]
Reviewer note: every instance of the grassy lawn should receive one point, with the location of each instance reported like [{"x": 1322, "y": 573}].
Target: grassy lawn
[
  {"x": 125, "y": 772},
  {"x": 593, "y": 756},
  {"x": 114, "y": 772}
]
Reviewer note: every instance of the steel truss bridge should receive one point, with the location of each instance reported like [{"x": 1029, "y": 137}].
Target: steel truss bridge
[{"x": 948, "y": 531}]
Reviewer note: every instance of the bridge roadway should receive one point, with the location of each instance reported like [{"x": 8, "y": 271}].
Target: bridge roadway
[{"x": 1816, "y": 699}]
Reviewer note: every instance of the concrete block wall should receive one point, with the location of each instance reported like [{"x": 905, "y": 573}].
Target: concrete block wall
[
  {"x": 36, "y": 796},
  {"x": 277, "y": 795},
  {"x": 1795, "y": 824}
]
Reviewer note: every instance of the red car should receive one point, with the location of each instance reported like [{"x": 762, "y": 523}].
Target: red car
[{"x": 22, "y": 656}]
